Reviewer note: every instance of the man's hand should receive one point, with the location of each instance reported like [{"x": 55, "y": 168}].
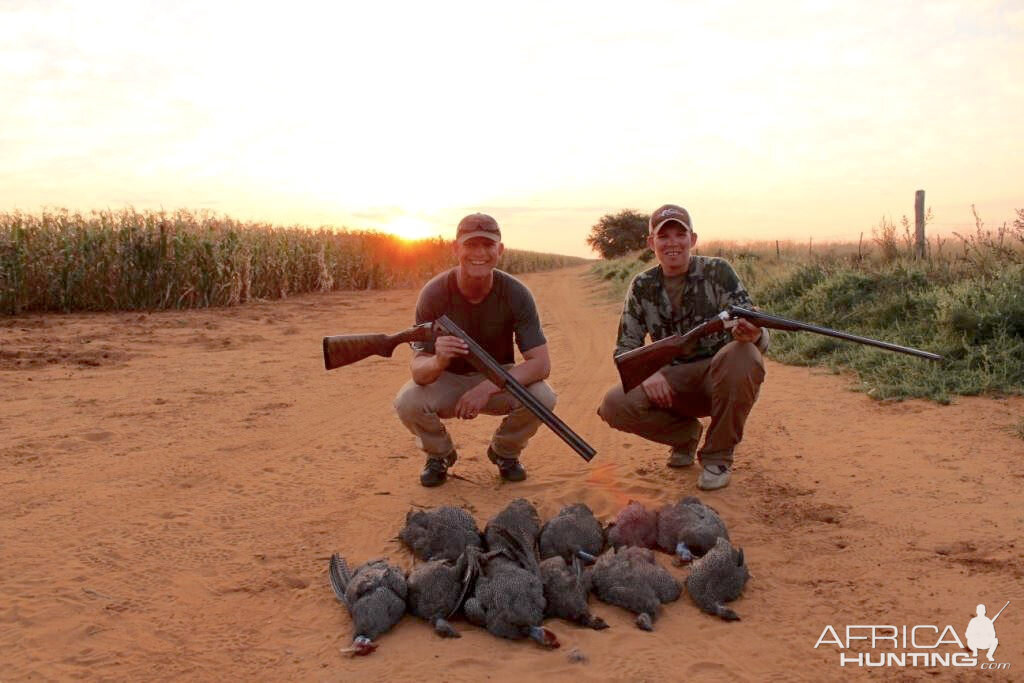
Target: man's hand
[
  {"x": 746, "y": 331},
  {"x": 658, "y": 391},
  {"x": 473, "y": 401},
  {"x": 447, "y": 348}
]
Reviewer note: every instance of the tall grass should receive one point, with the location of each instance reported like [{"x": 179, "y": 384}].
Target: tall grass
[
  {"x": 965, "y": 301},
  {"x": 64, "y": 261}
]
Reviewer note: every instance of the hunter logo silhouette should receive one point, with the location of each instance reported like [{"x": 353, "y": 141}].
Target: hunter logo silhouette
[{"x": 981, "y": 632}]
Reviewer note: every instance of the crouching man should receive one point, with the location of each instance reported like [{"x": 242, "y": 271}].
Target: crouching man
[
  {"x": 721, "y": 379},
  {"x": 496, "y": 310}
]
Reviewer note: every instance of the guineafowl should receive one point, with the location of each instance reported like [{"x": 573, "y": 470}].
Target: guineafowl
[
  {"x": 717, "y": 578},
  {"x": 509, "y": 600},
  {"x": 689, "y": 529},
  {"x": 515, "y": 529},
  {"x": 635, "y": 525},
  {"x": 374, "y": 595},
  {"x": 566, "y": 587},
  {"x": 440, "y": 533},
  {"x": 574, "y": 528},
  {"x": 437, "y": 589},
  {"x": 630, "y": 577}
]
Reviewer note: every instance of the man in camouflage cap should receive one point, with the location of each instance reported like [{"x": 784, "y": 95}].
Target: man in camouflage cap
[{"x": 720, "y": 379}]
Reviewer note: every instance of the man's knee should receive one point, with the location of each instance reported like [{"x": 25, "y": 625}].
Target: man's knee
[
  {"x": 613, "y": 407},
  {"x": 739, "y": 361},
  {"x": 410, "y": 401},
  {"x": 543, "y": 392}
]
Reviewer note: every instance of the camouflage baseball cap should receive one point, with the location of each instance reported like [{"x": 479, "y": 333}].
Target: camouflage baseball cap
[
  {"x": 669, "y": 212},
  {"x": 478, "y": 225}
]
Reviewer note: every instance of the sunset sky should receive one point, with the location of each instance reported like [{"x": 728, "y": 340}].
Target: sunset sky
[{"x": 786, "y": 120}]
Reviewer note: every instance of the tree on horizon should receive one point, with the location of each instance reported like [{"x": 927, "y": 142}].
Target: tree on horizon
[{"x": 617, "y": 234}]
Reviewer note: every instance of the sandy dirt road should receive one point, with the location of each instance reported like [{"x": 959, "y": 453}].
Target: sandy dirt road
[{"x": 173, "y": 484}]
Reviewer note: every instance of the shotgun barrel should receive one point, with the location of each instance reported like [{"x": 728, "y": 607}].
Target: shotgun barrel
[{"x": 778, "y": 323}]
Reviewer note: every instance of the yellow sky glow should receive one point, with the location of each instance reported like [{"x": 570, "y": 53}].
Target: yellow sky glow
[
  {"x": 412, "y": 228},
  {"x": 805, "y": 119}
]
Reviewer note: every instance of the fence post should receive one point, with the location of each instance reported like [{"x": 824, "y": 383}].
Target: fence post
[{"x": 919, "y": 241}]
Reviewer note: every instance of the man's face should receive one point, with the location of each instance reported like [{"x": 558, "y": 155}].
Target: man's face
[
  {"x": 672, "y": 246},
  {"x": 478, "y": 256}
]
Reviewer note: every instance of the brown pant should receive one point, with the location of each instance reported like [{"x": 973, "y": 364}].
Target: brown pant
[
  {"x": 723, "y": 387},
  {"x": 421, "y": 407}
]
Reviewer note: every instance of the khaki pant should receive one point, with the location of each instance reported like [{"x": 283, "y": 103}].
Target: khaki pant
[
  {"x": 422, "y": 407},
  {"x": 723, "y": 387}
]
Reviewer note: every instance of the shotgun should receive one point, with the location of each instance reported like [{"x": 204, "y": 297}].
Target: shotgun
[
  {"x": 638, "y": 364},
  {"x": 346, "y": 349}
]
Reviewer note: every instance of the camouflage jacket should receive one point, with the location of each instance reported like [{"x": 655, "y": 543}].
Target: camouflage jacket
[{"x": 711, "y": 285}]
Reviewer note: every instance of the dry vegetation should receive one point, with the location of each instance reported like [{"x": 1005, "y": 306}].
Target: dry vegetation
[{"x": 63, "y": 261}]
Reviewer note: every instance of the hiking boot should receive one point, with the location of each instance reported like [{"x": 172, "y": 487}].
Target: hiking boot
[
  {"x": 434, "y": 473},
  {"x": 508, "y": 468},
  {"x": 713, "y": 477},
  {"x": 436, "y": 470},
  {"x": 511, "y": 470},
  {"x": 682, "y": 456}
]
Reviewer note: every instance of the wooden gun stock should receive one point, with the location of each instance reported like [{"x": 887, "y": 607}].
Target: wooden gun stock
[
  {"x": 638, "y": 364},
  {"x": 345, "y": 349}
]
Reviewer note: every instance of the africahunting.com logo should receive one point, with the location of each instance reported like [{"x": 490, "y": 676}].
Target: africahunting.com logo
[{"x": 919, "y": 645}]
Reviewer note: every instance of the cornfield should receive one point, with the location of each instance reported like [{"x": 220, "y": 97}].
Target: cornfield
[{"x": 129, "y": 260}]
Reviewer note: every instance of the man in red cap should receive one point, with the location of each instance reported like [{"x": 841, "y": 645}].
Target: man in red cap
[
  {"x": 495, "y": 309},
  {"x": 721, "y": 379}
]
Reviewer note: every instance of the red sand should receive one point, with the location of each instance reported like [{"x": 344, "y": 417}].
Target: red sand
[{"x": 173, "y": 484}]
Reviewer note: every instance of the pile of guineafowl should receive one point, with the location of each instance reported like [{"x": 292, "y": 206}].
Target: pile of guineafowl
[{"x": 518, "y": 572}]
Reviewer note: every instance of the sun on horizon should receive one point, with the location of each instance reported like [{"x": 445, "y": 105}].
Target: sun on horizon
[{"x": 410, "y": 228}]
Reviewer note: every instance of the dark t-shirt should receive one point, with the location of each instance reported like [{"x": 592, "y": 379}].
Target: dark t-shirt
[{"x": 507, "y": 310}]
